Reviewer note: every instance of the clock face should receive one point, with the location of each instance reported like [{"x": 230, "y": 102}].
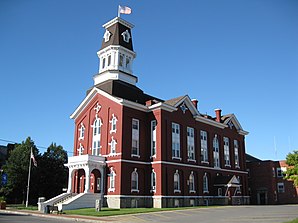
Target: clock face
[{"x": 107, "y": 35}]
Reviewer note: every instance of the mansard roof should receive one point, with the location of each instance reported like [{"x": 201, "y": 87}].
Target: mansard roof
[{"x": 116, "y": 27}]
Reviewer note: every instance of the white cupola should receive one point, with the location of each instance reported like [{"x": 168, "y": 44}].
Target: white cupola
[{"x": 116, "y": 55}]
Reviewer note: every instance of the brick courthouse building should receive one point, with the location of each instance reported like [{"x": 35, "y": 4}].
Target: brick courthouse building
[{"x": 140, "y": 151}]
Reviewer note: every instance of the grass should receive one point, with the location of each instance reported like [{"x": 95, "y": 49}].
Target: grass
[
  {"x": 21, "y": 207},
  {"x": 112, "y": 212},
  {"x": 293, "y": 221}
]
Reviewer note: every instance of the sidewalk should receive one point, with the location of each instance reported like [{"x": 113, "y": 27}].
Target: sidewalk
[{"x": 77, "y": 218}]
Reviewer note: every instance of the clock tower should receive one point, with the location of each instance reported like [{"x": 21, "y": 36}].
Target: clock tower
[{"x": 116, "y": 54}]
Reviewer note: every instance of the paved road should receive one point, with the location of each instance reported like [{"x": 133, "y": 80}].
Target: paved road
[{"x": 225, "y": 214}]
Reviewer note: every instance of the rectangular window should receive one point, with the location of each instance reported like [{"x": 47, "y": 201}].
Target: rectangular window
[
  {"x": 227, "y": 151},
  {"x": 190, "y": 143},
  {"x": 175, "y": 140},
  {"x": 153, "y": 138},
  {"x": 216, "y": 152},
  {"x": 236, "y": 153},
  {"x": 135, "y": 138},
  {"x": 204, "y": 148},
  {"x": 121, "y": 58},
  {"x": 280, "y": 187},
  {"x": 279, "y": 172},
  {"x": 109, "y": 60}
]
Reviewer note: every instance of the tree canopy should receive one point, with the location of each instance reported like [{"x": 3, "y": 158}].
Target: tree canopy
[
  {"x": 47, "y": 179},
  {"x": 292, "y": 171}
]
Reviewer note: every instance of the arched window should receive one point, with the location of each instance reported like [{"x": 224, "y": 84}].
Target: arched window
[
  {"x": 176, "y": 182},
  {"x": 113, "y": 145},
  {"x": 82, "y": 132},
  {"x": 96, "y": 136},
  {"x": 135, "y": 181},
  {"x": 112, "y": 180},
  {"x": 113, "y": 124},
  {"x": 153, "y": 181},
  {"x": 205, "y": 184},
  {"x": 81, "y": 149},
  {"x": 192, "y": 183},
  {"x": 216, "y": 152}
]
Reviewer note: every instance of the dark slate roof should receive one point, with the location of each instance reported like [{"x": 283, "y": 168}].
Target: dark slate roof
[
  {"x": 222, "y": 180},
  {"x": 250, "y": 158},
  {"x": 174, "y": 101},
  {"x": 116, "y": 38},
  {"x": 225, "y": 117},
  {"x": 126, "y": 91}
]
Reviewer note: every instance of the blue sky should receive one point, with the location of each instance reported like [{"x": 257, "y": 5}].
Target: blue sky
[{"x": 237, "y": 55}]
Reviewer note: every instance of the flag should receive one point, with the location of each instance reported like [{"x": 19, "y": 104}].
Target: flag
[
  {"x": 33, "y": 158},
  {"x": 124, "y": 10}
]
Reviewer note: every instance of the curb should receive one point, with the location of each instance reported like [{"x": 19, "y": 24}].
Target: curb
[{"x": 64, "y": 217}]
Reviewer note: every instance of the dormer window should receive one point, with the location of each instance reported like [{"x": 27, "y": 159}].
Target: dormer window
[
  {"x": 106, "y": 36},
  {"x": 126, "y": 36}
]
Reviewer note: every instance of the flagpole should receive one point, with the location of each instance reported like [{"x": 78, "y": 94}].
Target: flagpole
[
  {"x": 29, "y": 174},
  {"x": 118, "y": 10}
]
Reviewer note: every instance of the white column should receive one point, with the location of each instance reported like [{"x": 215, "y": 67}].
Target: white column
[
  {"x": 87, "y": 184},
  {"x": 69, "y": 188}
]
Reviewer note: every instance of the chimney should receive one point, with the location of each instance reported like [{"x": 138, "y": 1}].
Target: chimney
[
  {"x": 218, "y": 114},
  {"x": 195, "y": 103}
]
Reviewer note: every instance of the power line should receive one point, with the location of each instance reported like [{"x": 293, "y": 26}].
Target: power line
[{"x": 42, "y": 147}]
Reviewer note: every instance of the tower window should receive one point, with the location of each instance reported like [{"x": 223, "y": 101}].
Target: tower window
[
  {"x": 126, "y": 36},
  {"x": 109, "y": 60},
  {"x": 103, "y": 62},
  {"x": 121, "y": 58}
]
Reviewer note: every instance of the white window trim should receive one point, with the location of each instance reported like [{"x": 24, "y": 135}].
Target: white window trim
[
  {"x": 82, "y": 132},
  {"x": 113, "y": 142},
  {"x": 81, "y": 150},
  {"x": 153, "y": 138},
  {"x": 135, "y": 173},
  {"x": 153, "y": 188},
  {"x": 97, "y": 137},
  {"x": 204, "y": 147},
  {"x": 216, "y": 154},
  {"x": 227, "y": 152},
  {"x": 194, "y": 185},
  {"x": 114, "y": 119},
  {"x": 178, "y": 190},
  {"x": 190, "y": 143},
  {"x": 205, "y": 178},
  {"x": 236, "y": 148},
  {"x": 136, "y": 134},
  {"x": 176, "y": 140},
  {"x": 112, "y": 175}
]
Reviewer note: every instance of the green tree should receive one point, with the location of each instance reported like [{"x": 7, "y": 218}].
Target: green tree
[
  {"x": 17, "y": 169},
  {"x": 53, "y": 174},
  {"x": 292, "y": 171}
]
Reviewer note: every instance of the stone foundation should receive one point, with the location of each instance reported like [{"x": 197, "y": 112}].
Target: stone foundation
[{"x": 175, "y": 201}]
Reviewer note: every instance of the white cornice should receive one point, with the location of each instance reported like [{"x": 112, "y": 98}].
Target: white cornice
[
  {"x": 89, "y": 97},
  {"x": 162, "y": 106},
  {"x": 115, "y": 20},
  {"x": 116, "y": 47},
  {"x": 210, "y": 122}
]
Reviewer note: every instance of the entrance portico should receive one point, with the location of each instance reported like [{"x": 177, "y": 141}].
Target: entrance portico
[{"x": 82, "y": 170}]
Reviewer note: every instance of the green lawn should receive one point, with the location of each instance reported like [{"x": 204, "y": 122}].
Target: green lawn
[
  {"x": 111, "y": 212},
  {"x": 293, "y": 221},
  {"x": 21, "y": 207}
]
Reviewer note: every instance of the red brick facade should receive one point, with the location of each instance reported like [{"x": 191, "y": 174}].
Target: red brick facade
[
  {"x": 128, "y": 172},
  {"x": 267, "y": 185}
]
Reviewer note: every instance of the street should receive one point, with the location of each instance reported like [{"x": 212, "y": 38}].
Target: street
[{"x": 223, "y": 214}]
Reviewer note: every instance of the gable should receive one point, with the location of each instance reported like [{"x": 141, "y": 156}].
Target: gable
[
  {"x": 232, "y": 122},
  {"x": 184, "y": 103}
]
